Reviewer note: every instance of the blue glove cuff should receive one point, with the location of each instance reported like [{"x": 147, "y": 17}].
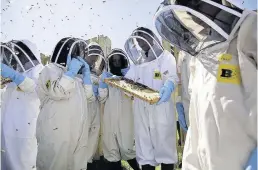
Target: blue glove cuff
[
  {"x": 70, "y": 74},
  {"x": 252, "y": 162},
  {"x": 103, "y": 85},
  {"x": 8, "y": 72},
  {"x": 87, "y": 78},
  {"x": 181, "y": 116},
  {"x": 170, "y": 85},
  {"x": 18, "y": 78}
]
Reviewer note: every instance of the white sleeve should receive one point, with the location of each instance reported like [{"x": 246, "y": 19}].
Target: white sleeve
[
  {"x": 52, "y": 83},
  {"x": 28, "y": 85},
  {"x": 131, "y": 73},
  {"x": 247, "y": 37},
  {"x": 169, "y": 69},
  {"x": 192, "y": 66},
  {"x": 89, "y": 93},
  {"x": 6, "y": 92},
  {"x": 247, "y": 58},
  {"x": 103, "y": 95},
  {"x": 180, "y": 61},
  {"x": 185, "y": 77}
]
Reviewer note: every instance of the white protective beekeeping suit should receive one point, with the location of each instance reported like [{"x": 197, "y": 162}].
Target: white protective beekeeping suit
[
  {"x": 118, "y": 135},
  {"x": 184, "y": 60},
  {"x": 94, "y": 118},
  {"x": 155, "y": 125},
  {"x": 20, "y": 107},
  {"x": 223, "y": 106},
  {"x": 62, "y": 127},
  {"x": 118, "y": 127},
  {"x": 95, "y": 58}
]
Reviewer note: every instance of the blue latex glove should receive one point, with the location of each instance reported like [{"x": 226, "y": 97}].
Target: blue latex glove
[
  {"x": 181, "y": 116},
  {"x": 252, "y": 162},
  {"x": 10, "y": 73},
  {"x": 85, "y": 71},
  {"x": 125, "y": 70},
  {"x": 165, "y": 91},
  {"x": 73, "y": 68},
  {"x": 104, "y": 75},
  {"x": 95, "y": 89}
]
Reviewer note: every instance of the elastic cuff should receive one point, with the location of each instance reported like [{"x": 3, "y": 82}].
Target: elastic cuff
[
  {"x": 70, "y": 74},
  {"x": 103, "y": 85},
  {"x": 174, "y": 81},
  {"x": 28, "y": 85},
  {"x": 103, "y": 94},
  {"x": 169, "y": 81},
  {"x": 89, "y": 92},
  {"x": 87, "y": 82},
  {"x": 170, "y": 84},
  {"x": 18, "y": 78},
  {"x": 67, "y": 82},
  {"x": 87, "y": 79}
]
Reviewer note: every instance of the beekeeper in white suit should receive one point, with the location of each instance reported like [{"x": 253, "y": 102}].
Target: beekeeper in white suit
[
  {"x": 155, "y": 125},
  {"x": 64, "y": 90},
  {"x": 223, "y": 108},
  {"x": 20, "y": 62},
  {"x": 118, "y": 126},
  {"x": 94, "y": 56},
  {"x": 182, "y": 105}
]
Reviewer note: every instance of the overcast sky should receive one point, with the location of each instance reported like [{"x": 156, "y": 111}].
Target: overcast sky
[{"x": 45, "y": 22}]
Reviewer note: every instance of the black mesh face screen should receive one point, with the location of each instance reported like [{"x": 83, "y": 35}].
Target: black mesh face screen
[
  {"x": 177, "y": 34},
  {"x": 63, "y": 46},
  {"x": 19, "y": 56},
  {"x": 57, "y": 48},
  {"x": 193, "y": 25},
  {"x": 8, "y": 58},
  {"x": 94, "y": 49},
  {"x": 148, "y": 35},
  {"x": 117, "y": 62},
  {"x": 22, "y": 56},
  {"x": 214, "y": 13},
  {"x": 25, "y": 49},
  {"x": 78, "y": 50}
]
